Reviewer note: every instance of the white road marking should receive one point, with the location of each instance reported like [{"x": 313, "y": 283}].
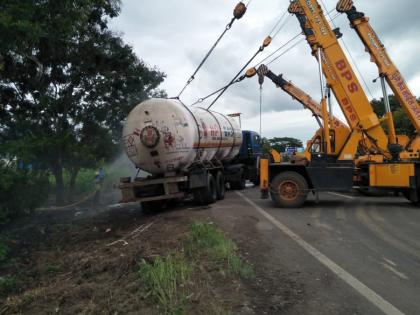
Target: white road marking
[
  {"x": 365, "y": 291},
  {"x": 392, "y": 269},
  {"x": 316, "y": 214},
  {"x": 341, "y": 195},
  {"x": 341, "y": 214},
  {"x": 390, "y": 262}
]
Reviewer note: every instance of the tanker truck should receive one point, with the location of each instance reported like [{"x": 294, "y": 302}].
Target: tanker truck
[{"x": 188, "y": 152}]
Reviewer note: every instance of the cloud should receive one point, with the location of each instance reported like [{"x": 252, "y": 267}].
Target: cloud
[{"x": 175, "y": 36}]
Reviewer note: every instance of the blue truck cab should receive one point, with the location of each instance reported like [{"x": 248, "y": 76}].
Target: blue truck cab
[
  {"x": 251, "y": 145},
  {"x": 246, "y": 165}
]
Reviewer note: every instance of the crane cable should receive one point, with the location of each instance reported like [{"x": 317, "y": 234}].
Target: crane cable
[
  {"x": 238, "y": 13},
  {"x": 261, "y": 81},
  {"x": 288, "y": 42},
  {"x": 278, "y": 49},
  {"x": 267, "y": 41},
  {"x": 202, "y": 99}
]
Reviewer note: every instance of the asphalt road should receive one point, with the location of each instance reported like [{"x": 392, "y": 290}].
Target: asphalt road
[{"x": 354, "y": 254}]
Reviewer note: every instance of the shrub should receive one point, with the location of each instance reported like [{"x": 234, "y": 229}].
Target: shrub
[
  {"x": 3, "y": 251},
  {"x": 7, "y": 285},
  {"x": 21, "y": 191}
]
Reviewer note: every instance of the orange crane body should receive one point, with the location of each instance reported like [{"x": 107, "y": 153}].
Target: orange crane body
[
  {"x": 340, "y": 75},
  {"x": 387, "y": 69}
]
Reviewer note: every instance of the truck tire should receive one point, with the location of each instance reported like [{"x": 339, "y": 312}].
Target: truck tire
[
  {"x": 256, "y": 181},
  {"x": 412, "y": 195},
  {"x": 289, "y": 190},
  {"x": 220, "y": 185},
  {"x": 239, "y": 185},
  {"x": 149, "y": 207},
  {"x": 208, "y": 194}
]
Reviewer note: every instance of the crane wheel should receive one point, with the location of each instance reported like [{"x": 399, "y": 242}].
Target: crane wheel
[
  {"x": 220, "y": 185},
  {"x": 289, "y": 190},
  {"x": 208, "y": 194},
  {"x": 412, "y": 195}
]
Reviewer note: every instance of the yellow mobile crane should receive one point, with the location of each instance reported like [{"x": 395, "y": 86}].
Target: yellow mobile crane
[
  {"x": 382, "y": 169},
  {"x": 339, "y": 131},
  {"x": 387, "y": 72}
]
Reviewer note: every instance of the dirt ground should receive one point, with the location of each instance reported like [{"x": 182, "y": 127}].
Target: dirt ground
[{"x": 85, "y": 261}]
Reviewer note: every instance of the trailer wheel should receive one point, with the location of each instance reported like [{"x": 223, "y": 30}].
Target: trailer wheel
[
  {"x": 289, "y": 190},
  {"x": 149, "y": 207},
  {"x": 208, "y": 194},
  {"x": 239, "y": 185},
  {"x": 220, "y": 186}
]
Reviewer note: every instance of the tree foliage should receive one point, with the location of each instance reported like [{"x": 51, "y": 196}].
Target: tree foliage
[
  {"x": 280, "y": 144},
  {"x": 66, "y": 83},
  {"x": 402, "y": 123}
]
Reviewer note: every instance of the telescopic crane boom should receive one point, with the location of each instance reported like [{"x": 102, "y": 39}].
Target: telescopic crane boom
[
  {"x": 339, "y": 131},
  {"x": 387, "y": 69},
  {"x": 341, "y": 78},
  {"x": 296, "y": 93}
]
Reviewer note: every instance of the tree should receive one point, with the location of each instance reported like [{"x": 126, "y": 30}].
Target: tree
[
  {"x": 280, "y": 144},
  {"x": 402, "y": 123},
  {"x": 66, "y": 84}
]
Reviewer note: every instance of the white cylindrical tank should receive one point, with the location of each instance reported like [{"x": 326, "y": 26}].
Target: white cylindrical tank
[{"x": 163, "y": 135}]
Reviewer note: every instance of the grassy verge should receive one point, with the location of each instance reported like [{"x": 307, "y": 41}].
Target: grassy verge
[
  {"x": 206, "y": 240},
  {"x": 166, "y": 282},
  {"x": 169, "y": 281}
]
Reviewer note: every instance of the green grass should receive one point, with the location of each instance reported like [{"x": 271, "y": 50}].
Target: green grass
[
  {"x": 207, "y": 239},
  {"x": 166, "y": 282},
  {"x": 7, "y": 285}
]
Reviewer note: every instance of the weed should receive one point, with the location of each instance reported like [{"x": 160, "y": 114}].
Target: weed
[
  {"x": 51, "y": 269},
  {"x": 7, "y": 285},
  {"x": 238, "y": 266},
  {"x": 207, "y": 239},
  {"x": 166, "y": 281}
]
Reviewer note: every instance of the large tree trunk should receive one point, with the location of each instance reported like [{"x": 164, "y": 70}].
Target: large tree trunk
[
  {"x": 59, "y": 185},
  {"x": 72, "y": 185}
]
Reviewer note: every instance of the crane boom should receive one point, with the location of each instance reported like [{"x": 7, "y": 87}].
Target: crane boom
[
  {"x": 303, "y": 98},
  {"x": 339, "y": 74},
  {"x": 387, "y": 69}
]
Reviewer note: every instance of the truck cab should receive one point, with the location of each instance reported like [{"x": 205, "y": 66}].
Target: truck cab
[
  {"x": 251, "y": 145},
  {"x": 249, "y": 155}
]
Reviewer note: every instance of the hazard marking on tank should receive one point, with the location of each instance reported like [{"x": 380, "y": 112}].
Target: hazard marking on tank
[
  {"x": 136, "y": 132},
  {"x": 168, "y": 140},
  {"x": 130, "y": 147}
]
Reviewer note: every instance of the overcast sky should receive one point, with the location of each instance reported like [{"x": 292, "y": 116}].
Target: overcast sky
[{"x": 175, "y": 35}]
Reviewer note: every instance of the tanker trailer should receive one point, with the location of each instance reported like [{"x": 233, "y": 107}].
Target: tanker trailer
[{"x": 187, "y": 152}]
